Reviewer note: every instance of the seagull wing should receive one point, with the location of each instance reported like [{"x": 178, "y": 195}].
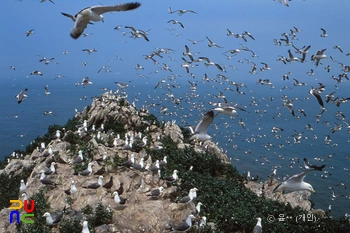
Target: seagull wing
[
  {"x": 209, "y": 40},
  {"x": 203, "y": 125},
  {"x": 204, "y": 58},
  {"x": 299, "y": 177},
  {"x": 69, "y": 16},
  {"x": 131, "y": 28},
  {"x": 318, "y": 97},
  {"x": 122, "y": 7}
]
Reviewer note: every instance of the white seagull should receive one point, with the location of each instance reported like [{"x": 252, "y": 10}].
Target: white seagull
[
  {"x": 318, "y": 56},
  {"x": 20, "y": 97},
  {"x": 95, "y": 13},
  {"x": 295, "y": 183},
  {"x": 200, "y": 132}
]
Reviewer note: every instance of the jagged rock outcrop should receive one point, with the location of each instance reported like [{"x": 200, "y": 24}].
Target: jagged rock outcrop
[{"x": 141, "y": 213}]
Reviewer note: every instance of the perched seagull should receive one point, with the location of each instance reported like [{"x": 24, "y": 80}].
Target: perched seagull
[
  {"x": 94, "y": 13},
  {"x": 25, "y": 198},
  {"x": 173, "y": 177},
  {"x": 191, "y": 196},
  {"x": 185, "y": 226},
  {"x": 155, "y": 193},
  {"x": 295, "y": 183},
  {"x": 118, "y": 199},
  {"x": 87, "y": 171},
  {"x": 20, "y": 97},
  {"x": 22, "y": 187},
  {"x": 95, "y": 185},
  {"x": 200, "y": 132},
  {"x": 53, "y": 219},
  {"x": 51, "y": 170},
  {"x": 85, "y": 227},
  {"x": 258, "y": 227},
  {"x": 28, "y": 33},
  {"x": 45, "y": 180},
  {"x": 72, "y": 190}
]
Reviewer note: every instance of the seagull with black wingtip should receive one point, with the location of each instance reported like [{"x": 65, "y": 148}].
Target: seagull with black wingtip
[
  {"x": 176, "y": 22},
  {"x": 318, "y": 56},
  {"x": 95, "y": 13},
  {"x": 21, "y": 96},
  {"x": 137, "y": 33},
  {"x": 211, "y": 43},
  {"x": 316, "y": 93},
  {"x": 210, "y": 63}
]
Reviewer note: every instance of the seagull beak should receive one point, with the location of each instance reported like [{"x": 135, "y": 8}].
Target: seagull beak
[{"x": 314, "y": 191}]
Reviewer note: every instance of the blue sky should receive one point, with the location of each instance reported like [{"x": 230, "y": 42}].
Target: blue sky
[{"x": 265, "y": 20}]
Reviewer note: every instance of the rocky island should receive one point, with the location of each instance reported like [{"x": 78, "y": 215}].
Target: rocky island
[{"x": 135, "y": 156}]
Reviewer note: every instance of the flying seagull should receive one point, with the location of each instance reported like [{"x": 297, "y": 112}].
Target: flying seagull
[
  {"x": 295, "y": 183},
  {"x": 95, "y": 13},
  {"x": 308, "y": 166},
  {"x": 20, "y": 97},
  {"x": 28, "y": 33},
  {"x": 200, "y": 132}
]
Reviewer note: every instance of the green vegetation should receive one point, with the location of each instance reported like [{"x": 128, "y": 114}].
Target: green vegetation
[
  {"x": 9, "y": 188},
  {"x": 101, "y": 215},
  {"x": 41, "y": 207},
  {"x": 230, "y": 205},
  {"x": 115, "y": 126}
]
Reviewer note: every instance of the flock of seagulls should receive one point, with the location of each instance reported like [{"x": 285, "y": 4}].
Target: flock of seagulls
[
  {"x": 326, "y": 70},
  {"x": 47, "y": 175}
]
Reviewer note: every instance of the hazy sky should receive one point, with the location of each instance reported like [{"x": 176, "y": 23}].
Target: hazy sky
[{"x": 264, "y": 19}]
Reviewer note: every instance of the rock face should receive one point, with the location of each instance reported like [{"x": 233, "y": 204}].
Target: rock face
[{"x": 141, "y": 213}]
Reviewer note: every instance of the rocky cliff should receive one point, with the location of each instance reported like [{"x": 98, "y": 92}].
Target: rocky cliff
[{"x": 126, "y": 134}]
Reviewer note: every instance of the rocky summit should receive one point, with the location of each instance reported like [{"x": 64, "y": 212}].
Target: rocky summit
[{"x": 134, "y": 154}]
